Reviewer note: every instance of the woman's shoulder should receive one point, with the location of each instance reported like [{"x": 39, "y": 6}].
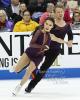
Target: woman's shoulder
[{"x": 9, "y": 23}]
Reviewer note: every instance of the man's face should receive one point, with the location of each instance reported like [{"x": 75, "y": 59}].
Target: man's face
[
  {"x": 59, "y": 13},
  {"x": 23, "y": 7}
]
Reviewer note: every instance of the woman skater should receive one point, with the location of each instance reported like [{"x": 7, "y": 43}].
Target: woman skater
[{"x": 35, "y": 52}]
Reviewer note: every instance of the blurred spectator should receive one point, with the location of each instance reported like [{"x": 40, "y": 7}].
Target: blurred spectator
[
  {"x": 52, "y": 1},
  {"x": 76, "y": 9},
  {"x": 38, "y": 6},
  {"x": 49, "y": 13},
  {"x": 26, "y": 24},
  {"x": 36, "y": 16},
  {"x": 23, "y": 8},
  {"x": 25, "y": 1},
  {"x": 64, "y": 1},
  {"x": 67, "y": 17},
  {"x": 76, "y": 17},
  {"x": 4, "y": 3},
  {"x": 38, "y": 10},
  {"x": 5, "y": 24},
  {"x": 70, "y": 9},
  {"x": 76, "y": 21},
  {"x": 13, "y": 11}
]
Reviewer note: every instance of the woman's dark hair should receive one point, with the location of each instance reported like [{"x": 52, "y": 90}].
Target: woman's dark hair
[
  {"x": 26, "y": 11},
  {"x": 37, "y": 28},
  {"x": 40, "y": 27},
  {"x": 51, "y": 19}
]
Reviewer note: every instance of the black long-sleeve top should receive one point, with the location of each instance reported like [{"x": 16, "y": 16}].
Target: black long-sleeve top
[{"x": 60, "y": 32}]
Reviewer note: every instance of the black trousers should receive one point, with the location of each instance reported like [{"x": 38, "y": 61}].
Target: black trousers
[{"x": 50, "y": 57}]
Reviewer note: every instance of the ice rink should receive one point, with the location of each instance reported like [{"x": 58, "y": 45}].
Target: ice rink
[{"x": 47, "y": 89}]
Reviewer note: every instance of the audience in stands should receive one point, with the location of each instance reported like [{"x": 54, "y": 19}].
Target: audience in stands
[
  {"x": 4, "y": 3},
  {"x": 39, "y": 10},
  {"x": 13, "y": 11},
  {"x": 76, "y": 17},
  {"x": 38, "y": 6},
  {"x": 23, "y": 8},
  {"x": 49, "y": 13},
  {"x": 5, "y": 24},
  {"x": 26, "y": 24}
]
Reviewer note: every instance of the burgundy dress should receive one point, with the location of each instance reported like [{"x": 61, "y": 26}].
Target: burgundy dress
[{"x": 37, "y": 45}]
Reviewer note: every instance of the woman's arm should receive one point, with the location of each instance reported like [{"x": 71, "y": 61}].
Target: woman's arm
[{"x": 34, "y": 39}]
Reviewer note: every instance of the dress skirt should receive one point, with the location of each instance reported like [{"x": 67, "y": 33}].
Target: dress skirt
[{"x": 34, "y": 55}]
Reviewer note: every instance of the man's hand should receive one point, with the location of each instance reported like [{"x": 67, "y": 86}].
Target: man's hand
[{"x": 69, "y": 43}]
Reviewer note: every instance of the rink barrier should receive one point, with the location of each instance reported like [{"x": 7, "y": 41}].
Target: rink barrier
[
  {"x": 67, "y": 65},
  {"x": 51, "y": 73}
]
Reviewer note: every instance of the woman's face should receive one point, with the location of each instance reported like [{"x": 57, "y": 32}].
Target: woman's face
[
  {"x": 26, "y": 16},
  {"x": 59, "y": 13},
  {"x": 2, "y": 17},
  {"x": 48, "y": 25}
]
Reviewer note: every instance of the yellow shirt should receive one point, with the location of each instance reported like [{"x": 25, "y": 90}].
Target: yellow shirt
[{"x": 22, "y": 27}]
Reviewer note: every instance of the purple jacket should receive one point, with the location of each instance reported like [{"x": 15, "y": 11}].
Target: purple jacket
[{"x": 8, "y": 26}]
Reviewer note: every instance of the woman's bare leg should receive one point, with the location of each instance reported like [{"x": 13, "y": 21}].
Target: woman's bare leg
[
  {"x": 24, "y": 60},
  {"x": 30, "y": 69}
]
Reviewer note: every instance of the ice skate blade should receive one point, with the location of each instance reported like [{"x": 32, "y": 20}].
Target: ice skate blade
[{"x": 13, "y": 94}]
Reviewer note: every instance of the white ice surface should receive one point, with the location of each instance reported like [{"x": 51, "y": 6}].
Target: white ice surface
[{"x": 47, "y": 89}]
